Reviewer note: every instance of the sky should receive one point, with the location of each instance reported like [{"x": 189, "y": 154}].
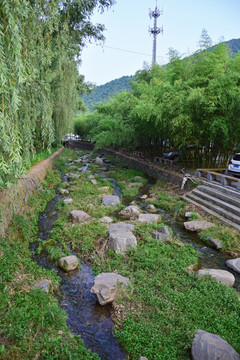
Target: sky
[{"x": 128, "y": 45}]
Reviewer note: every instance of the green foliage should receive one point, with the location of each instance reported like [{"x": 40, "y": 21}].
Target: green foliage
[
  {"x": 40, "y": 43},
  {"x": 229, "y": 237}
]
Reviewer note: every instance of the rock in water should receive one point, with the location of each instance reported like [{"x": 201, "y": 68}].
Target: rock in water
[
  {"x": 234, "y": 264},
  {"x": 223, "y": 276},
  {"x": 68, "y": 263},
  {"x": 106, "y": 286},
  {"x": 207, "y": 346},
  {"x": 197, "y": 225}
]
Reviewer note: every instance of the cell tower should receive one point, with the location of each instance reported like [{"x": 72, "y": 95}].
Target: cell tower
[{"x": 155, "y": 30}]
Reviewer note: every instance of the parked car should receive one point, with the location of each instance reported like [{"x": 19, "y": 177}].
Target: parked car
[
  {"x": 234, "y": 165},
  {"x": 171, "y": 155}
]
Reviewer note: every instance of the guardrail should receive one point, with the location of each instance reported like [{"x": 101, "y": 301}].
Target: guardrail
[
  {"x": 223, "y": 179},
  {"x": 160, "y": 160}
]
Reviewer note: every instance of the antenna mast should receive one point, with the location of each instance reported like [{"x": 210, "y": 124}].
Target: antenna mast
[{"x": 155, "y": 31}]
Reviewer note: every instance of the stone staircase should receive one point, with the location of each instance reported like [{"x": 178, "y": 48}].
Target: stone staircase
[{"x": 220, "y": 201}]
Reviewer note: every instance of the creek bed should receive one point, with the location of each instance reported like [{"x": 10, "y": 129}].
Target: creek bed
[{"x": 85, "y": 316}]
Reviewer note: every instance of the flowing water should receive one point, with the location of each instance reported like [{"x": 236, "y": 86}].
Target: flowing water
[{"x": 85, "y": 316}]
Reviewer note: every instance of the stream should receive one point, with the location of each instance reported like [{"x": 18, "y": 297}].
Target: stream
[{"x": 85, "y": 316}]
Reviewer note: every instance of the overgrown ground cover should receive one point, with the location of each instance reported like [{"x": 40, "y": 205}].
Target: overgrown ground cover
[
  {"x": 32, "y": 326},
  {"x": 157, "y": 319}
]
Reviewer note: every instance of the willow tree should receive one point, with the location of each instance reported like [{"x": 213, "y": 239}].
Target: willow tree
[{"x": 40, "y": 47}]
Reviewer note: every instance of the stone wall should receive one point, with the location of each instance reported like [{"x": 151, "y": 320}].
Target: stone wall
[
  {"x": 12, "y": 199},
  {"x": 149, "y": 168}
]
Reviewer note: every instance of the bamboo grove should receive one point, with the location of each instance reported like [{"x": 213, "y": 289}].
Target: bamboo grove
[
  {"x": 40, "y": 47},
  {"x": 191, "y": 105}
]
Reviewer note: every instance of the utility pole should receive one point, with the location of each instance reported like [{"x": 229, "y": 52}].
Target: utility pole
[{"x": 155, "y": 31}]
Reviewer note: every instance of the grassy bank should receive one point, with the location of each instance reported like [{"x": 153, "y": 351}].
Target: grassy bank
[{"x": 157, "y": 320}]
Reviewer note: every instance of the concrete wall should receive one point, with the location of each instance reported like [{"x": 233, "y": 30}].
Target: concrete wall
[
  {"x": 12, "y": 199},
  {"x": 149, "y": 168}
]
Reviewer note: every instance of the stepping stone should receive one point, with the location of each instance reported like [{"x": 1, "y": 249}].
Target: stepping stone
[
  {"x": 148, "y": 218},
  {"x": 106, "y": 286},
  {"x": 223, "y": 276},
  {"x": 110, "y": 200},
  {"x": 234, "y": 264},
  {"x": 207, "y": 346},
  {"x": 79, "y": 216},
  {"x": 197, "y": 225},
  {"x": 216, "y": 244},
  {"x": 121, "y": 238},
  {"x": 68, "y": 263}
]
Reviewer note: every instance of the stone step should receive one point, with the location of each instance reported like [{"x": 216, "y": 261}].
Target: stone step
[
  {"x": 227, "y": 190},
  {"x": 217, "y": 193},
  {"x": 218, "y": 210},
  {"x": 223, "y": 204}
]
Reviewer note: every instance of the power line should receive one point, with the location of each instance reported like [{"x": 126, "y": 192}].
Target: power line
[{"x": 133, "y": 52}]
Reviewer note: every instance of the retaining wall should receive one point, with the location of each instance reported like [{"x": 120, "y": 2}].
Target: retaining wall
[
  {"x": 12, "y": 199},
  {"x": 149, "y": 168}
]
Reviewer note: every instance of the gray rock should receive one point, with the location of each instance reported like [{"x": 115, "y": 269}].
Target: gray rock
[
  {"x": 63, "y": 192},
  {"x": 110, "y": 200},
  {"x": 106, "y": 219},
  {"x": 216, "y": 244},
  {"x": 121, "y": 238},
  {"x": 130, "y": 212},
  {"x": 121, "y": 226},
  {"x": 68, "y": 263},
  {"x": 135, "y": 184},
  {"x": 106, "y": 286},
  {"x": 79, "y": 216},
  {"x": 99, "y": 161},
  {"x": 143, "y": 197},
  {"x": 72, "y": 176},
  {"x": 163, "y": 234},
  {"x": 91, "y": 177},
  {"x": 68, "y": 200},
  {"x": 44, "y": 285},
  {"x": 223, "y": 276},
  {"x": 143, "y": 358},
  {"x": 197, "y": 225},
  {"x": 234, "y": 264},
  {"x": 93, "y": 181},
  {"x": 148, "y": 218},
  {"x": 138, "y": 177},
  {"x": 103, "y": 188},
  {"x": 207, "y": 346},
  {"x": 151, "y": 208},
  {"x": 189, "y": 214}
]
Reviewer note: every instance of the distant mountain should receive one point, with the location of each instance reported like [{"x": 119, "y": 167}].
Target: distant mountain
[
  {"x": 104, "y": 93},
  {"x": 234, "y": 45}
]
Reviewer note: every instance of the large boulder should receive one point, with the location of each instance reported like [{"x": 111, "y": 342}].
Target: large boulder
[
  {"x": 106, "y": 286},
  {"x": 197, "y": 225},
  {"x": 234, "y": 264},
  {"x": 121, "y": 238},
  {"x": 163, "y": 234},
  {"x": 68, "y": 263},
  {"x": 222, "y": 276},
  {"x": 148, "y": 218},
  {"x": 207, "y": 346},
  {"x": 79, "y": 216},
  {"x": 110, "y": 200},
  {"x": 129, "y": 212}
]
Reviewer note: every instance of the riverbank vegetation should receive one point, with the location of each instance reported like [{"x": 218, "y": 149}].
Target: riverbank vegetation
[
  {"x": 41, "y": 43},
  {"x": 190, "y": 105},
  {"x": 157, "y": 320}
]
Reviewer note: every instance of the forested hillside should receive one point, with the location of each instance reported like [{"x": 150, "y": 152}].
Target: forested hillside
[
  {"x": 104, "y": 93},
  {"x": 40, "y": 44}
]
